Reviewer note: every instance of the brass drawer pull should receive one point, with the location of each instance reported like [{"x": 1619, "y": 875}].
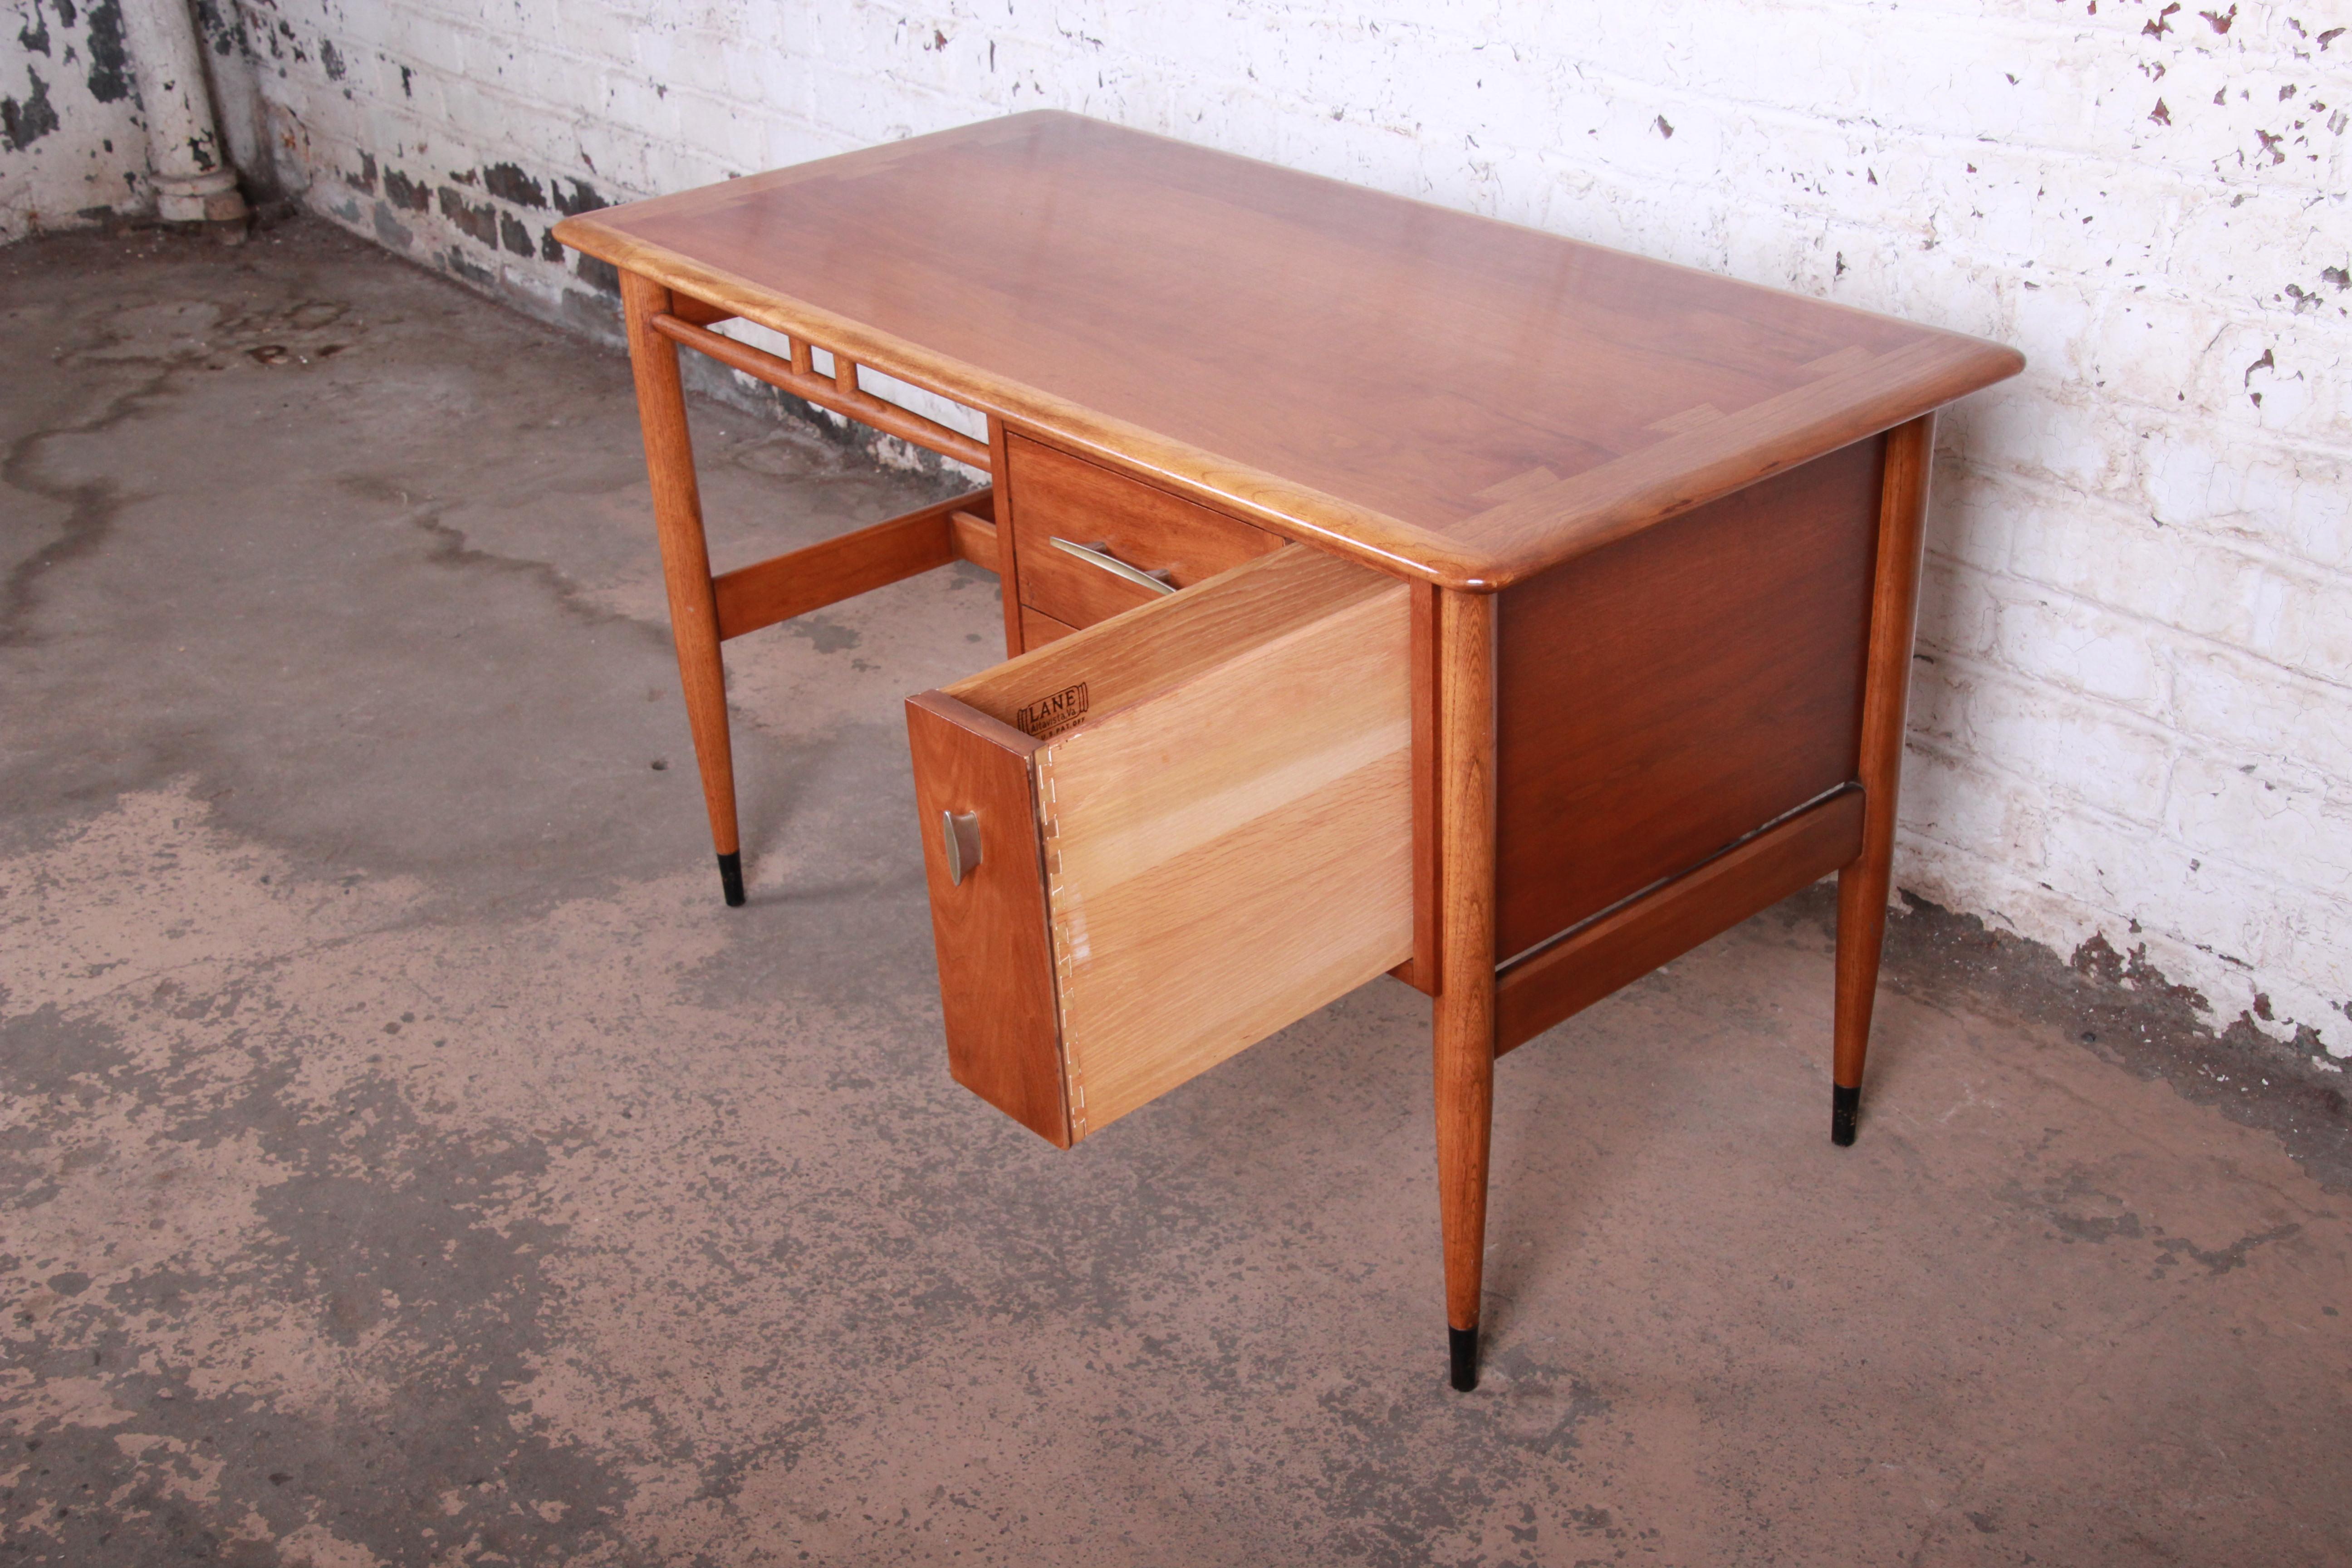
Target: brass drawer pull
[
  {"x": 1098, "y": 554},
  {"x": 960, "y": 836}
]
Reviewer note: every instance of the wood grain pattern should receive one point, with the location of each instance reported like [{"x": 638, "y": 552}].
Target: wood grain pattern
[
  {"x": 793, "y": 583},
  {"x": 685, "y": 553},
  {"x": 1230, "y": 854},
  {"x": 1037, "y": 629},
  {"x": 1464, "y": 1050},
  {"x": 1161, "y": 645},
  {"x": 1859, "y": 395},
  {"x": 1233, "y": 332},
  {"x": 1893, "y": 618},
  {"x": 996, "y": 970},
  {"x": 1666, "y": 696},
  {"x": 1149, "y": 529},
  {"x": 1621, "y": 946}
]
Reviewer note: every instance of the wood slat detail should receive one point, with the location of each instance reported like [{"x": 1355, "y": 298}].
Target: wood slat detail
[
  {"x": 838, "y": 392},
  {"x": 1619, "y": 948},
  {"x": 782, "y": 586}
]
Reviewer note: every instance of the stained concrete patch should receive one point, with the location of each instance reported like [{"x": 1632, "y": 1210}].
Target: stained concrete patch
[
  {"x": 409, "y": 1160},
  {"x": 303, "y": 615},
  {"x": 2127, "y": 1014}
]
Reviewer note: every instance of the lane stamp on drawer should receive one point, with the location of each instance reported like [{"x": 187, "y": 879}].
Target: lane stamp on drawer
[{"x": 1049, "y": 716}]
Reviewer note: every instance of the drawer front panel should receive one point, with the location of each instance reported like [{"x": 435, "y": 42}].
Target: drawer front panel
[
  {"x": 1057, "y": 496},
  {"x": 989, "y": 926},
  {"x": 1221, "y": 787}
]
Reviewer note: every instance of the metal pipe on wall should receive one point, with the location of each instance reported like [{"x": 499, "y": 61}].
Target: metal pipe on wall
[{"x": 191, "y": 178}]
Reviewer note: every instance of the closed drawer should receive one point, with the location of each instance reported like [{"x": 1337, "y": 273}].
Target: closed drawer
[
  {"x": 1193, "y": 826},
  {"x": 1054, "y": 496}
]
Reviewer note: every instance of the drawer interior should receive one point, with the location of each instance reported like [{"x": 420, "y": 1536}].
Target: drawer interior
[{"x": 1195, "y": 827}]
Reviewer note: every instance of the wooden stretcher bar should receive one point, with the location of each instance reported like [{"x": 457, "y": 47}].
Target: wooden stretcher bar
[
  {"x": 839, "y": 392},
  {"x": 799, "y": 581},
  {"x": 1619, "y": 946}
]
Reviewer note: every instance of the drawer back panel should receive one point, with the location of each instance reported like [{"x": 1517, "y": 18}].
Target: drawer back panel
[{"x": 1661, "y": 697}]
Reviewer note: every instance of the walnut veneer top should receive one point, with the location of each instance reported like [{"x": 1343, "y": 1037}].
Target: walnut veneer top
[{"x": 1457, "y": 399}]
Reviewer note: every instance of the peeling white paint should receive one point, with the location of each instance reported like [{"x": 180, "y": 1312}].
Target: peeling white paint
[{"x": 73, "y": 145}]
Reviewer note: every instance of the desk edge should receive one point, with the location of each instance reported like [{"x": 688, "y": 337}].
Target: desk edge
[{"x": 1496, "y": 548}]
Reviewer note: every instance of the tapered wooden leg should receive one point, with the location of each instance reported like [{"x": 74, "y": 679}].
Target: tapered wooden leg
[
  {"x": 685, "y": 565},
  {"x": 1887, "y": 691},
  {"x": 1465, "y": 1031}
]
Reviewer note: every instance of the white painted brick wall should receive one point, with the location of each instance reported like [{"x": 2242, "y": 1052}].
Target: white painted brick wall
[
  {"x": 73, "y": 148},
  {"x": 2134, "y": 709}
]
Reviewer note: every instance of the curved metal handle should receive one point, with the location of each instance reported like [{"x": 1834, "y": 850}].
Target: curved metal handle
[
  {"x": 1098, "y": 554},
  {"x": 960, "y": 836}
]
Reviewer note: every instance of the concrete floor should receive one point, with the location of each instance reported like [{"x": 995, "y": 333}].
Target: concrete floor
[{"x": 409, "y": 1160}]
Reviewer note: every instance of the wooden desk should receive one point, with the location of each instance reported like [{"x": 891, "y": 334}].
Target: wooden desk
[{"x": 1541, "y": 611}]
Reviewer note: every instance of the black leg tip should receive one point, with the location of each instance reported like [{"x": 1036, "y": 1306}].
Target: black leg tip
[
  {"x": 1461, "y": 1346},
  {"x": 1845, "y": 1106},
  {"x": 730, "y": 877}
]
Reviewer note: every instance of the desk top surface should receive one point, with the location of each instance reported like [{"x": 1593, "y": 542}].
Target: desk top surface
[{"x": 1452, "y": 397}]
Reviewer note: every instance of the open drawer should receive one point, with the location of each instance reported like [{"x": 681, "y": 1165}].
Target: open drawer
[{"x": 1157, "y": 841}]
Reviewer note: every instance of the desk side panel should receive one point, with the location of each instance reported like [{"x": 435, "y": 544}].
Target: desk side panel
[{"x": 1670, "y": 693}]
